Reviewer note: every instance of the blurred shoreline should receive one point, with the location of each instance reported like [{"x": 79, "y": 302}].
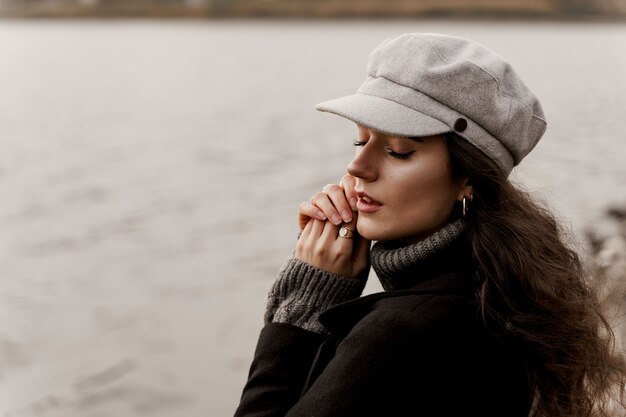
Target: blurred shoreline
[{"x": 545, "y": 10}]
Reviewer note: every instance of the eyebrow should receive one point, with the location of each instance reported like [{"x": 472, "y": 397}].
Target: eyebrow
[{"x": 416, "y": 139}]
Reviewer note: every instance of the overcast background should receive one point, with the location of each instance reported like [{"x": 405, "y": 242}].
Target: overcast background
[{"x": 151, "y": 171}]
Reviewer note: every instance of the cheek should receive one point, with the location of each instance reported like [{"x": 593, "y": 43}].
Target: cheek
[{"x": 426, "y": 200}]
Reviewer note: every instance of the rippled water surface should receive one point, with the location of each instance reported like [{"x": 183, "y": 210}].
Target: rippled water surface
[{"x": 150, "y": 174}]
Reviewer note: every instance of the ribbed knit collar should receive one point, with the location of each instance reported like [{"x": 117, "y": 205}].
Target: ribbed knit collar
[{"x": 401, "y": 267}]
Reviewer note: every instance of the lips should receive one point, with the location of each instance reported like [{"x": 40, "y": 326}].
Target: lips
[
  {"x": 367, "y": 198},
  {"x": 367, "y": 204}
]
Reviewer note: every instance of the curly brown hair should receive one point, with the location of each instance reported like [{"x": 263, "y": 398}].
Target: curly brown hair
[{"x": 534, "y": 294}]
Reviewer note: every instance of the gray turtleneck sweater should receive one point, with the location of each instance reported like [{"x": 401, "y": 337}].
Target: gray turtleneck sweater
[{"x": 301, "y": 291}]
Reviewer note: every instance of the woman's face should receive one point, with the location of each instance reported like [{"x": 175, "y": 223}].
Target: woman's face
[{"x": 405, "y": 185}]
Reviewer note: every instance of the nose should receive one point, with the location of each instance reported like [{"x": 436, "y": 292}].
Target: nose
[{"x": 363, "y": 166}]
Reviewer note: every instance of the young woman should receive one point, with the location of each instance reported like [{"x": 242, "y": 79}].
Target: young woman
[{"x": 486, "y": 310}]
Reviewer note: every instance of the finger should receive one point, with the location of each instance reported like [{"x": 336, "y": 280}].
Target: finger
[
  {"x": 306, "y": 212},
  {"x": 348, "y": 182},
  {"x": 306, "y": 231},
  {"x": 308, "y": 238},
  {"x": 316, "y": 229},
  {"x": 352, "y": 223},
  {"x": 329, "y": 235},
  {"x": 303, "y": 240},
  {"x": 361, "y": 251},
  {"x": 339, "y": 249},
  {"x": 347, "y": 243},
  {"x": 338, "y": 198},
  {"x": 322, "y": 201}
]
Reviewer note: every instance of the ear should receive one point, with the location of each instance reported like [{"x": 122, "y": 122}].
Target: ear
[{"x": 465, "y": 189}]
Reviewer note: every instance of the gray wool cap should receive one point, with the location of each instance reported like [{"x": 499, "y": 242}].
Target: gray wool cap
[{"x": 423, "y": 84}]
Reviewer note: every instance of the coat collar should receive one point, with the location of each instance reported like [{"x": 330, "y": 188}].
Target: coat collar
[{"x": 449, "y": 278}]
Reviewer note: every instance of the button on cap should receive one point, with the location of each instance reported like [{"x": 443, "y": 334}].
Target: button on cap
[{"x": 460, "y": 124}]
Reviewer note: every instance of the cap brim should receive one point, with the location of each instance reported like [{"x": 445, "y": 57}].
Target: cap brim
[{"x": 384, "y": 115}]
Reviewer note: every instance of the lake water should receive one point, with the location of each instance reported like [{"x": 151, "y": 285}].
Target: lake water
[{"x": 151, "y": 171}]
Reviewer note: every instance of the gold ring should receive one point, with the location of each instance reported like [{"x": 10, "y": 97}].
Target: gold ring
[{"x": 345, "y": 233}]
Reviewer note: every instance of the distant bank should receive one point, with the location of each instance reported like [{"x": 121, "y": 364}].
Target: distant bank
[{"x": 542, "y": 9}]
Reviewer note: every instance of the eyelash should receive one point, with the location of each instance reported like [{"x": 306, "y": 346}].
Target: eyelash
[{"x": 392, "y": 153}]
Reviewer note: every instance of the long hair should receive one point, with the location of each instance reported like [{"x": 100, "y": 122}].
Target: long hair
[{"x": 534, "y": 294}]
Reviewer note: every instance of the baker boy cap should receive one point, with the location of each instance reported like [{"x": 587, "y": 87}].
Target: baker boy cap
[{"x": 423, "y": 84}]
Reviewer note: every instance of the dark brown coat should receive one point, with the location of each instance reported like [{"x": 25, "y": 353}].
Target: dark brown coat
[{"x": 416, "y": 352}]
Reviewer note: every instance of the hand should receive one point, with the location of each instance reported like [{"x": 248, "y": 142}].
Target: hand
[
  {"x": 320, "y": 244},
  {"x": 337, "y": 203}
]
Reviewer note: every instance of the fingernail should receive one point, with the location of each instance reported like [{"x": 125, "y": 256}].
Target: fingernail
[
  {"x": 320, "y": 215},
  {"x": 336, "y": 219},
  {"x": 347, "y": 216},
  {"x": 353, "y": 203}
]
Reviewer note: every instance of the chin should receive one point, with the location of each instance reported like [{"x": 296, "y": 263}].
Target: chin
[
  {"x": 363, "y": 230},
  {"x": 366, "y": 235},
  {"x": 371, "y": 232}
]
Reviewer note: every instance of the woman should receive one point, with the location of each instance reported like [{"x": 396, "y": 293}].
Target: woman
[{"x": 486, "y": 311}]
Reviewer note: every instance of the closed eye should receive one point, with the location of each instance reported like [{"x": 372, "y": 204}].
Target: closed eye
[
  {"x": 390, "y": 151},
  {"x": 399, "y": 155}
]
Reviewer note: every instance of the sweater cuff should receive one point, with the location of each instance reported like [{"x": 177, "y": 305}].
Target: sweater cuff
[{"x": 301, "y": 292}]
